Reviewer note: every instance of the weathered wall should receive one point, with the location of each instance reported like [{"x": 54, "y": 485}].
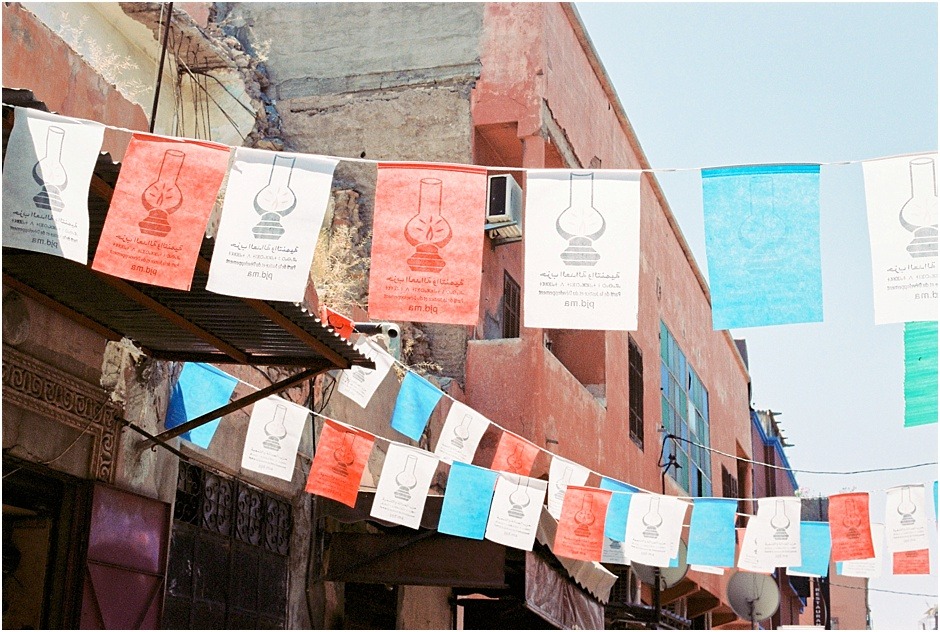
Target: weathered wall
[{"x": 424, "y": 608}]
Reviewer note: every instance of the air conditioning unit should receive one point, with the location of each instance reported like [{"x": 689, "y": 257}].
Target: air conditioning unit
[{"x": 503, "y": 209}]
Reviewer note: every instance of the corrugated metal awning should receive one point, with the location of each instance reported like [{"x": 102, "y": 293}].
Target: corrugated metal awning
[{"x": 193, "y": 326}]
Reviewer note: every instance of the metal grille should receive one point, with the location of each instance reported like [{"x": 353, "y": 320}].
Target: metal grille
[
  {"x": 510, "y": 307},
  {"x": 636, "y": 392}
]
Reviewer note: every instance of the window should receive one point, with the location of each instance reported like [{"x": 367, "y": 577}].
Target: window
[
  {"x": 510, "y": 307},
  {"x": 636, "y": 392},
  {"x": 685, "y": 415}
]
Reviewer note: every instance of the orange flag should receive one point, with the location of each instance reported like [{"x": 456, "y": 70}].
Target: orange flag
[
  {"x": 342, "y": 325},
  {"x": 580, "y": 534},
  {"x": 514, "y": 455},
  {"x": 339, "y": 462},
  {"x": 911, "y": 562},
  {"x": 159, "y": 210},
  {"x": 427, "y": 243},
  {"x": 850, "y": 527}
]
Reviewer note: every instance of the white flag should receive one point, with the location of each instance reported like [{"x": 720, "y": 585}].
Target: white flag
[
  {"x": 582, "y": 255},
  {"x": 871, "y": 567},
  {"x": 781, "y": 547},
  {"x": 654, "y": 526},
  {"x": 901, "y": 196},
  {"x": 561, "y": 473},
  {"x": 515, "y": 510},
  {"x": 47, "y": 172},
  {"x": 403, "y": 485},
  {"x": 273, "y": 437},
  {"x": 359, "y": 384},
  {"x": 614, "y": 552},
  {"x": 461, "y": 434},
  {"x": 711, "y": 570},
  {"x": 274, "y": 207},
  {"x": 906, "y": 519}
]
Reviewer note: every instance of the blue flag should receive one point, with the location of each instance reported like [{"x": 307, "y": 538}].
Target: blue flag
[
  {"x": 416, "y": 401},
  {"x": 711, "y": 532},
  {"x": 615, "y": 526},
  {"x": 200, "y": 389},
  {"x": 762, "y": 245},
  {"x": 467, "y": 501},
  {"x": 815, "y": 547}
]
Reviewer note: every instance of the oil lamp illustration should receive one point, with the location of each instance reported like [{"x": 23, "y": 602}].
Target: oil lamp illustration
[
  {"x": 581, "y": 224},
  {"x": 514, "y": 460},
  {"x": 906, "y": 507},
  {"x": 585, "y": 516},
  {"x": 406, "y": 479},
  {"x": 462, "y": 432},
  {"x": 275, "y": 200},
  {"x": 919, "y": 214},
  {"x": 163, "y": 196},
  {"x": 428, "y": 231},
  {"x": 653, "y": 519},
  {"x": 49, "y": 173},
  {"x": 519, "y": 499},
  {"x": 851, "y": 519},
  {"x": 762, "y": 226},
  {"x": 561, "y": 486},
  {"x": 780, "y": 522},
  {"x": 345, "y": 455},
  {"x": 275, "y": 429}
]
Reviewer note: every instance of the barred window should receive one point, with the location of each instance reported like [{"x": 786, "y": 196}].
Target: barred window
[
  {"x": 510, "y": 307},
  {"x": 636, "y": 392}
]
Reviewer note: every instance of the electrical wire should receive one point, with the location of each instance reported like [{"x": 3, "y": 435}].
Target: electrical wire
[{"x": 883, "y": 590}]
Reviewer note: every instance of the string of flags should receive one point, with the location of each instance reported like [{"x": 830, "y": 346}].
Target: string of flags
[
  {"x": 613, "y": 522},
  {"x": 761, "y": 229}
]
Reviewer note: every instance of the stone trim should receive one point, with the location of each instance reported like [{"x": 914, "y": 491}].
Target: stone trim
[{"x": 42, "y": 389}]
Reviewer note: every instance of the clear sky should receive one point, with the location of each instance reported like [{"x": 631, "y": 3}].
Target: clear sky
[{"x": 709, "y": 84}]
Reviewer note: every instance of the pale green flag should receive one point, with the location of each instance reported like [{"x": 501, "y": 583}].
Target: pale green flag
[{"x": 920, "y": 373}]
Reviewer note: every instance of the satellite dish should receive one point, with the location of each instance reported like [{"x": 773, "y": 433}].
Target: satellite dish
[
  {"x": 669, "y": 576},
  {"x": 752, "y": 596}
]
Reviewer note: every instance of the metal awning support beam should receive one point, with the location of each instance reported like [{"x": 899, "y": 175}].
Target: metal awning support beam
[{"x": 231, "y": 407}]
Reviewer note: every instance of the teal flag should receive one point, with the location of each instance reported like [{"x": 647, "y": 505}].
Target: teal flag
[
  {"x": 711, "y": 532},
  {"x": 920, "y": 373},
  {"x": 615, "y": 525},
  {"x": 416, "y": 401},
  {"x": 200, "y": 389},
  {"x": 762, "y": 245},
  {"x": 467, "y": 501},
  {"x": 815, "y": 547}
]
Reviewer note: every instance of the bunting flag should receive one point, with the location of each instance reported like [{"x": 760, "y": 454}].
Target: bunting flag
[
  {"x": 911, "y": 562},
  {"x": 906, "y": 519},
  {"x": 901, "y": 196},
  {"x": 47, "y": 171},
  {"x": 427, "y": 243},
  {"x": 515, "y": 512},
  {"x": 200, "y": 389},
  {"x": 274, "y": 207},
  {"x": 762, "y": 245},
  {"x": 339, "y": 462},
  {"x": 461, "y": 434},
  {"x": 159, "y": 210},
  {"x": 870, "y": 567},
  {"x": 582, "y": 259},
  {"x": 752, "y": 555},
  {"x": 815, "y": 547},
  {"x": 711, "y": 532},
  {"x": 781, "y": 547},
  {"x": 416, "y": 401},
  {"x": 514, "y": 455},
  {"x": 615, "y": 524},
  {"x": 849, "y": 524},
  {"x": 359, "y": 384},
  {"x": 920, "y": 374},
  {"x": 711, "y": 570},
  {"x": 273, "y": 436},
  {"x": 467, "y": 500},
  {"x": 580, "y": 533},
  {"x": 561, "y": 474},
  {"x": 342, "y": 325},
  {"x": 403, "y": 485},
  {"x": 654, "y": 526}
]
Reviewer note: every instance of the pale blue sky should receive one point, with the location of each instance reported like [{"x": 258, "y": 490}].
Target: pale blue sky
[{"x": 711, "y": 84}]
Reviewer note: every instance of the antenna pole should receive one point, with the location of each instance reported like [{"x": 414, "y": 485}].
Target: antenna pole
[{"x": 657, "y": 606}]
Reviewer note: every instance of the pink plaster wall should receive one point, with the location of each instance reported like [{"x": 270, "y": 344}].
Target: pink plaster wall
[{"x": 37, "y": 59}]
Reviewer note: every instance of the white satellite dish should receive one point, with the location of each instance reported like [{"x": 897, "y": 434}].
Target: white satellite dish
[
  {"x": 752, "y": 596},
  {"x": 669, "y": 576}
]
